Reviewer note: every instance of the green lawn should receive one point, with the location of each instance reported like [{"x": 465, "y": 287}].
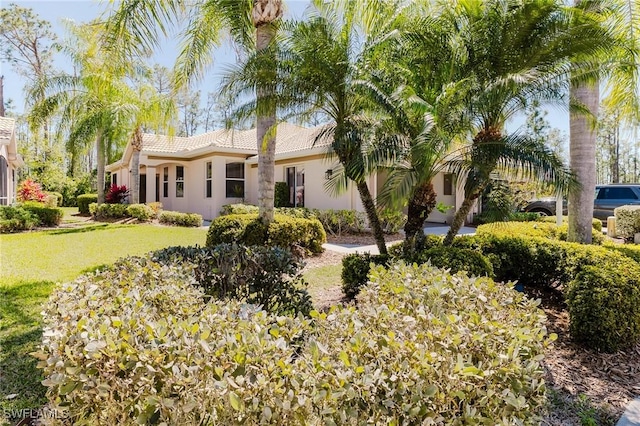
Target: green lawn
[{"x": 31, "y": 264}]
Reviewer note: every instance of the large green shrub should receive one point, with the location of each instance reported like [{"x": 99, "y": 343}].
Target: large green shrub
[
  {"x": 284, "y": 231},
  {"x": 134, "y": 345},
  {"x": 84, "y": 201},
  {"x": 13, "y": 219},
  {"x": 604, "y": 306},
  {"x": 47, "y": 216},
  {"x": 456, "y": 259},
  {"x": 337, "y": 222},
  {"x": 392, "y": 220},
  {"x": 355, "y": 271},
  {"x": 266, "y": 276},
  {"x": 108, "y": 211},
  {"x": 627, "y": 221},
  {"x": 180, "y": 219},
  {"x": 55, "y": 198},
  {"x": 281, "y": 195},
  {"x": 142, "y": 212}
]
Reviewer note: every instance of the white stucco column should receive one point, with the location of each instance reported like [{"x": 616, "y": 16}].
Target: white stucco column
[{"x": 151, "y": 184}]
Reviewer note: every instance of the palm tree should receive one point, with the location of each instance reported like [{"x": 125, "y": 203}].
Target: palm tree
[
  {"x": 331, "y": 58},
  {"x": 515, "y": 52},
  {"x": 94, "y": 104},
  {"x": 253, "y": 24},
  {"x": 423, "y": 98},
  {"x": 618, "y": 61}
]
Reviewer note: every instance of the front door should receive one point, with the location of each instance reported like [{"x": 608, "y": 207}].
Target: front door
[
  {"x": 142, "y": 193},
  {"x": 157, "y": 188}
]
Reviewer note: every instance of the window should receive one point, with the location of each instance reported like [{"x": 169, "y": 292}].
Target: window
[
  {"x": 208, "y": 179},
  {"x": 235, "y": 180},
  {"x": 616, "y": 193},
  {"x": 295, "y": 182},
  {"x": 165, "y": 182},
  {"x": 114, "y": 179},
  {"x": 448, "y": 184},
  {"x": 179, "y": 181}
]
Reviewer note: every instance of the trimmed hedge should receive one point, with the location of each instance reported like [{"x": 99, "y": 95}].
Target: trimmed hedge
[
  {"x": 135, "y": 345},
  {"x": 533, "y": 229},
  {"x": 229, "y": 209},
  {"x": 47, "y": 216},
  {"x": 180, "y": 219},
  {"x": 108, "y": 211},
  {"x": 14, "y": 219},
  {"x": 142, "y": 212},
  {"x": 284, "y": 231},
  {"x": 627, "y": 221},
  {"x": 596, "y": 223},
  {"x": 604, "y": 306},
  {"x": 266, "y": 276},
  {"x": 84, "y": 201},
  {"x": 539, "y": 263}
]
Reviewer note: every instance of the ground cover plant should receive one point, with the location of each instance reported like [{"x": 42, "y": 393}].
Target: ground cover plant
[
  {"x": 231, "y": 363},
  {"x": 32, "y": 263}
]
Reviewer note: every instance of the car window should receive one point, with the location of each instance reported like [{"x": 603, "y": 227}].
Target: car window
[{"x": 616, "y": 193}]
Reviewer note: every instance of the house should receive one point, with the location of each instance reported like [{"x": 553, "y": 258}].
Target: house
[
  {"x": 200, "y": 174},
  {"x": 10, "y": 161}
]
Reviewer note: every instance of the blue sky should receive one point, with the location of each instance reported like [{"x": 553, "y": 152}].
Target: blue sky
[{"x": 56, "y": 11}]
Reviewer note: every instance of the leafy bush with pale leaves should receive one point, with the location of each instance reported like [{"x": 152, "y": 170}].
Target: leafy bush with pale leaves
[
  {"x": 135, "y": 345},
  {"x": 180, "y": 219},
  {"x": 627, "y": 221}
]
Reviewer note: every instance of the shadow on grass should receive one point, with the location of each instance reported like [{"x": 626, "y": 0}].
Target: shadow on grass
[
  {"x": 21, "y": 333},
  {"x": 79, "y": 230}
]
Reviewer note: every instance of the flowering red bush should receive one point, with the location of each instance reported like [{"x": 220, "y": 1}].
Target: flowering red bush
[
  {"x": 29, "y": 190},
  {"x": 116, "y": 194}
]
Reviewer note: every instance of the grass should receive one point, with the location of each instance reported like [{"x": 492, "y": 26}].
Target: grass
[
  {"x": 30, "y": 265},
  {"x": 322, "y": 278}
]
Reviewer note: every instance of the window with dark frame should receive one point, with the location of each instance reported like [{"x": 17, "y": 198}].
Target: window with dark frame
[
  {"x": 234, "y": 185},
  {"x": 448, "y": 184},
  {"x": 179, "y": 181},
  {"x": 208, "y": 179},
  {"x": 165, "y": 182},
  {"x": 114, "y": 178}
]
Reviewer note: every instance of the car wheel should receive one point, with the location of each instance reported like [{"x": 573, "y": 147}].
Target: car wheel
[{"x": 542, "y": 212}]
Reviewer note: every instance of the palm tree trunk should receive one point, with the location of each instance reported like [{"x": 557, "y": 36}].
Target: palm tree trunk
[
  {"x": 421, "y": 204},
  {"x": 136, "y": 144},
  {"x": 582, "y": 154},
  {"x": 263, "y": 14},
  {"x": 101, "y": 159},
  {"x": 372, "y": 216},
  {"x": 458, "y": 219}
]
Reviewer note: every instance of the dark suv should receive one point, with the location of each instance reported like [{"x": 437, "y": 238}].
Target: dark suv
[{"x": 607, "y": 198}]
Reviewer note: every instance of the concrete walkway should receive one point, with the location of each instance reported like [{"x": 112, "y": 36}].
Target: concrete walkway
[
  {"x": 373, "y": 249},
  {"x": 631, "y": 417}
]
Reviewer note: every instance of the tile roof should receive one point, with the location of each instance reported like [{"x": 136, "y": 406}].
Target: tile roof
[
  {"x": 6, "y": 127},
  {"x": 289, "y": 138}
]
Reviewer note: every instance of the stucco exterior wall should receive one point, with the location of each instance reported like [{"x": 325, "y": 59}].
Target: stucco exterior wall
[{"x": 11, "y": 175}]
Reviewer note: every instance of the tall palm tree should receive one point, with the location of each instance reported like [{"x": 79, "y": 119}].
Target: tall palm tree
[
  {"x": 618, "y": 63},
  {"x": 135, "y": 28},
  {"x": 91, "y": 102},
  {"x": 516, "y": 52}
]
